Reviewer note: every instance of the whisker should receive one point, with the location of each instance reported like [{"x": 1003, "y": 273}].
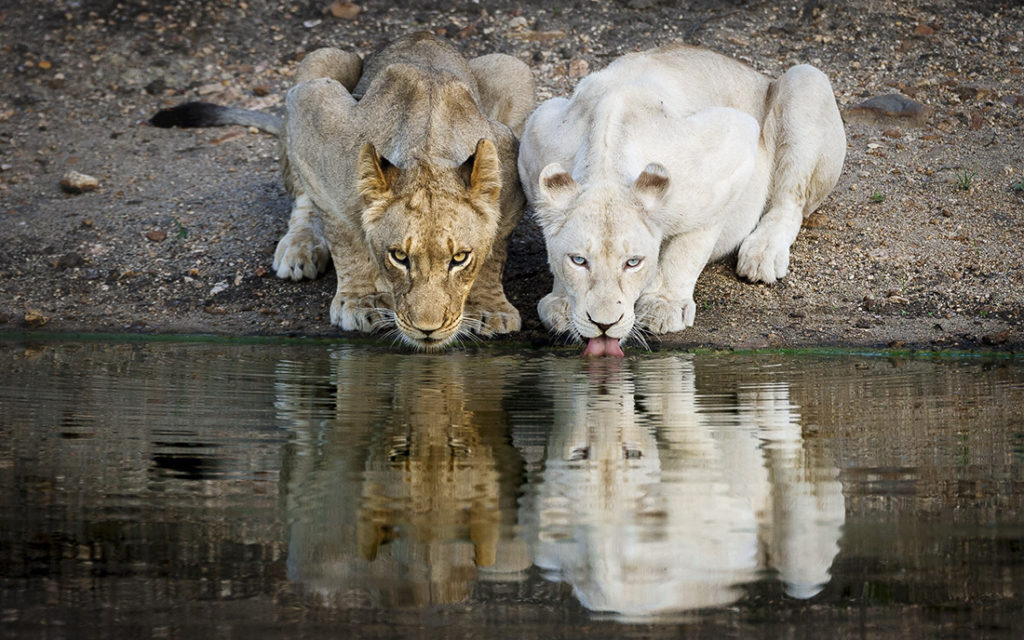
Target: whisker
[
  {"x": 637, "y": 334},
  {"x": 384, "y": 318},
  {"x": 469, "y": 331}
]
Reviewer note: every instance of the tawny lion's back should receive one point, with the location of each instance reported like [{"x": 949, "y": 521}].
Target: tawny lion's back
[
  {"x": 423, "y": 50},
  {"x": 419, "y": 100}
]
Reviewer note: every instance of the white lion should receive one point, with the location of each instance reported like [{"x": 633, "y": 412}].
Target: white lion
[{"x": 666, "y": 160}]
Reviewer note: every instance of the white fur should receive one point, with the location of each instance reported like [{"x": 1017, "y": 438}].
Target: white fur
[
  {"x": 745, "y": 159},
  {"x": 668, "y": 508}
]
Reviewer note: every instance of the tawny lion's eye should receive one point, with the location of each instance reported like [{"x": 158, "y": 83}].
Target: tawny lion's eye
[
  {"x": 633, "y": 263},
  {"x": 577, "y": 260},
  {"x": 459, "y": 258},
  {"x": 399, "y": 256}
]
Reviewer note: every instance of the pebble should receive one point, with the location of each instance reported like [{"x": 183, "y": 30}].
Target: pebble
[
  {"x": 578, "y": 68},
  {"x": 75, "y": 182},
  {"x": 35, "y": 319},
  {"x": 156, "y": 235},
  {"x": 344, "y": 10},
  {"x": 220, "y": 287},
  {"x": 889, "y": 107},
  {"x": 70, "y": 261}
]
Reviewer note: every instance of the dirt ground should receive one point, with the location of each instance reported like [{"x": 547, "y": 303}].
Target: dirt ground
[{"x": 919, "y": 247}]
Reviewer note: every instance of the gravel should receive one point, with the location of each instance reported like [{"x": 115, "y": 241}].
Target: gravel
[{"x": 919, "y": 247}]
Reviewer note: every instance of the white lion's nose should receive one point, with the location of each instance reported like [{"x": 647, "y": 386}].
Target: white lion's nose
[{"x": 602, "y": 326}]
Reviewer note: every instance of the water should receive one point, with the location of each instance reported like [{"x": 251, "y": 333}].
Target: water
[{"x": 185, "y": 490}]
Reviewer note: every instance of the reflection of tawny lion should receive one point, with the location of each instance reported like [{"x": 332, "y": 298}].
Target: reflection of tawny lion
[
  {"x": 651, "y": 504},
  {"x": 402, "y": 509}
]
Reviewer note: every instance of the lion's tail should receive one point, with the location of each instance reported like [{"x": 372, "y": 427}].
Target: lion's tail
[{"x": 206, "y": 114}]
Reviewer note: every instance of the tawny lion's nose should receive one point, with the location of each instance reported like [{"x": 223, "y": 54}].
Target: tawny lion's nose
[
  {"x": 426, "y": 332},
  {"x": 602, "y": 326}
]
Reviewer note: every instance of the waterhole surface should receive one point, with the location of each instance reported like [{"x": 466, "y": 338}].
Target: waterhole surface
[{"x": 283, "y": 490}]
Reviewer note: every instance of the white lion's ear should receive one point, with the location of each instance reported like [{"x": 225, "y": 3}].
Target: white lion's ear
[
  {"x": 557, "y": 188},
  {"x": 651, "y": 186}
]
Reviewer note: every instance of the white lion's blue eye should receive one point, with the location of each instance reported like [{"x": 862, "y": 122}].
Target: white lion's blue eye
[
  {"x": 579, "y": 261},
  {"x": 633, "y": 263}
]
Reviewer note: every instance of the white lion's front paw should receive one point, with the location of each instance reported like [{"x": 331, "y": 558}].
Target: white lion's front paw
[
  {"x": 365, "y": 313},
  {"x": 658, "y": 314},
  {"x": 301, "y": 254},
  {"x": 763, "y": 257},
  {"x": 554, "y": 311}
]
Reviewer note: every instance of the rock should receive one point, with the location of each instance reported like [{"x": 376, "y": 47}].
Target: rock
[
  {"x": 539, "y": 36},
  {"x": 156, "y": 235},
  {"x": 70, "y": 261},
  {"x": 994, "y": 339},
  {"x": 35, "y": 319},
  {"x": 924, "y": 30},
  {"x": 889, "y": 107},
  {"x": 220, "y": 287},
  {"x": 816, "y": 220},
  {"x": 973, "y": 92},
  {"x": 75, "y": 182},
  {"x": 156, "y": 87},
  {"x": 578, "y": 68},
  {"x": 344, "y": 10}
]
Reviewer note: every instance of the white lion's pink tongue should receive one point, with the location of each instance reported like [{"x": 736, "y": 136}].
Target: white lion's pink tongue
[{"x": 603, "y": 346}]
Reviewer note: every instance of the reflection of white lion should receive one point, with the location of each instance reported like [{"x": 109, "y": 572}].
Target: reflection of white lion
[{"x": 669, "y": 506}]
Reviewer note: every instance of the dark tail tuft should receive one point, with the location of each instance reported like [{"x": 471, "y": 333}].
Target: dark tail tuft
[{"x": 189, "y": 114}]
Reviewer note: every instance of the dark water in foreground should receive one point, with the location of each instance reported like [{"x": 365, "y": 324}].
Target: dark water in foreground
[{"x": 184, "y": 490}]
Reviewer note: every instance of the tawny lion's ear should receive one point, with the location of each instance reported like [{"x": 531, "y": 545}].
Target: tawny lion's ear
[
  {"x": 370, "y": 536},
  {"x": 483, "y": 532},
  {"x": 557, "y": 188},
  {"x": 651, "y": 186},
  {"x": 481, "y": 172},
  {"x": 376, "y": 175}
]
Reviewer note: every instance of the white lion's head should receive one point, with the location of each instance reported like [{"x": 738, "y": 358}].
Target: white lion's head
[{"x": 603, "y": 247}]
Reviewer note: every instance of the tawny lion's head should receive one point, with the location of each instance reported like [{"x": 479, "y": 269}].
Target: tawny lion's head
[{"x": 430, "y": 229}]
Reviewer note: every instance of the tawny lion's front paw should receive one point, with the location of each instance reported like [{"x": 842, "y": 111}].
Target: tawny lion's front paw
[
  {"x": 301, "y": 254},
  {"x": 659, "y": 314},
  {"x": 555, "y": 313},
  {"x": 763, "y": 257},
  {"x": 488, "y": 322},
  {"x": 363, "y": 313}
]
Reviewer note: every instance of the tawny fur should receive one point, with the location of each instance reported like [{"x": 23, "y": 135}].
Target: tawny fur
[{"x": 399, "y": 186}]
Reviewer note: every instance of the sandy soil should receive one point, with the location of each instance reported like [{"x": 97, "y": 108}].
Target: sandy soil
[{"x": 919, "y": 246}]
